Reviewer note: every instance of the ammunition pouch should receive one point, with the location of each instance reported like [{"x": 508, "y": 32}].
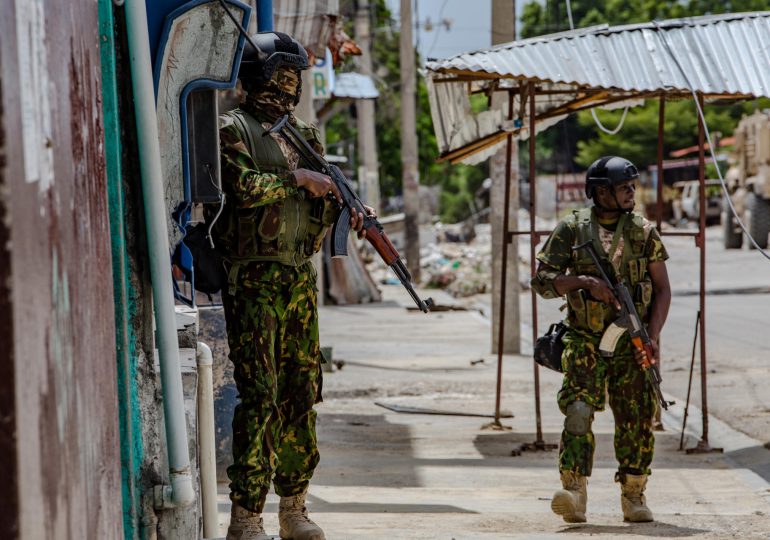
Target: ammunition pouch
[{"x": 587, "y": 313}]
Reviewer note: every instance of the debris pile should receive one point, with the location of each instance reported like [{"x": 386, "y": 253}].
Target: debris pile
[
  {"x": 459, "y": 259},
  {"x": 460, "y": 269}
]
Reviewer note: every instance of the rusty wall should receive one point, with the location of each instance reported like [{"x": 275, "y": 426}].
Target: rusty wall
[{"x": 55, "y": 279}]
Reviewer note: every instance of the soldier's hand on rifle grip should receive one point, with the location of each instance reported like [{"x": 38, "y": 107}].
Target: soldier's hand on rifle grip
[
  {"x": 600, "y": 290},
  {"x": 646, "y": 358},
  {"x": 316, "y": 184},
  {"x": 358, "y": 224},
  {"x": 655, "y": 350}
]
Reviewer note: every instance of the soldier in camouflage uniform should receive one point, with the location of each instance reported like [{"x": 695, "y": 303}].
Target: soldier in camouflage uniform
[
  {"x": 632, "y": 249},
  {"x": 277, "y": 214}
]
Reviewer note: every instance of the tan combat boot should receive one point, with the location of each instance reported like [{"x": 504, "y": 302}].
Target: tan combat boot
[
  {"x": 295, "y": 524},
  {"x": 632, "y": 498},
  {"x": 570, "y": 502},
  {"x": 245, "y": 525}
]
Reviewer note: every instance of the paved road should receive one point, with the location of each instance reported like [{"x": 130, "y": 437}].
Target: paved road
[
  {"x": 386, "y": 475},
  {"x": 390, "y": 475}
]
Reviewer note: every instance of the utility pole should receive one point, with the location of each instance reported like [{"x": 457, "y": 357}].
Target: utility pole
[
  {"x": 368, "y": 164},
  {"x": 503, "y": 31},
  {"x": 410, "y": 173}
]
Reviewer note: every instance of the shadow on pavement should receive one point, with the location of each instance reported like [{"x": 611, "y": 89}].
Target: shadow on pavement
[
  {"x": 756, "y": 458},
  {"x": 320, "y": 505},
  {"x": 494, "y": 445},
  {"x": 355, "y": 446},
  {"x": 655, "y": 529}
]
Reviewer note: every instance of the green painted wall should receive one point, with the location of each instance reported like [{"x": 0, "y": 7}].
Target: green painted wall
[{"x": 125, "y": 306}]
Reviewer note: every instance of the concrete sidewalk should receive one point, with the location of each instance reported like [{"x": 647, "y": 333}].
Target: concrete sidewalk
[{"x": 387, "y": 475}]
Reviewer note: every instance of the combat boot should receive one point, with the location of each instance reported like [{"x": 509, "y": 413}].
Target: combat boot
[
  {"x": 570, "y": 502},
  {"x": 245, "y": 525},
  {"x": 632, "y": 498},
  {"x": 295, "y": 524}
]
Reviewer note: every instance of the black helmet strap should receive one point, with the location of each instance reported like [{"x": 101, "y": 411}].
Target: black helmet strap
[{"x": 617, "y": 208}]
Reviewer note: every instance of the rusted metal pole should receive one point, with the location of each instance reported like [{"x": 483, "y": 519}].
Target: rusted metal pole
[
  {"x": 703, "y": 445},
  {"x": 702, "y": 240},
  {"x": 503, "y": 274},
  {"x": 532, "y": 245},
  {"x": 659, "y": 204},
  {"x": 661, "y": 126}
]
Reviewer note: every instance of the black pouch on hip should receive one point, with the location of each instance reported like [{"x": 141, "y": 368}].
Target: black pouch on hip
[{"x": 548, "y": 348}]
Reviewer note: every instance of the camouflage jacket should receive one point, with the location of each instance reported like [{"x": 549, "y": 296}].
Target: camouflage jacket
[
  {"x": 268, "y": 218},
  {"x": 634, "y": 244}
]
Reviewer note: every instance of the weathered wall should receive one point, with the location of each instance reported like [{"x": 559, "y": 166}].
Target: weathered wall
[
  {"x": 145, "y": 462},
  {"x": 64, "y": 460}
]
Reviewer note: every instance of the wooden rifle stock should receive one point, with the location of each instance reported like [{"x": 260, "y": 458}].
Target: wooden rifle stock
[{"x": 381, "y": 243}]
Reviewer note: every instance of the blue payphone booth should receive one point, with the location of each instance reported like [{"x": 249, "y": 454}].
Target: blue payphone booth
[{"x": 196, "y": 47}]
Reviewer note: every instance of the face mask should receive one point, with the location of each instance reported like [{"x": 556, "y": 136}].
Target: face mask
[{"x": 276, "y": 97}]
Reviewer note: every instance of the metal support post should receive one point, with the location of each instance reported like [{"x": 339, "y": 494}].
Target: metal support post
[
  {"x": 659, "y": 186},
  {"x": 506, "y": 240},
  {"x": 539, "y": 443},
  {"x": 703, "y": 445},
  {"x": 658, "y": 424}
]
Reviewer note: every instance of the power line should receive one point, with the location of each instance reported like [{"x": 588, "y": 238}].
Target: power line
[
  {"x": 593, "y": 110},
  {"x": 691, "y": 87}
]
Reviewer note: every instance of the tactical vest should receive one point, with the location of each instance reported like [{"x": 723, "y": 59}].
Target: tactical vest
[
  {"x": 289, "y": 231},
  {"x": 591, "y": 315}
]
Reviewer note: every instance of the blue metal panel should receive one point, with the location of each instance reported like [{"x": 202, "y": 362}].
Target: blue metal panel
[
  {"x": 182, "y": 213},
  {"x": 265, "y": 15},
  {"x": 197, "y": 84},
  {"x": 157, "y": 10}
]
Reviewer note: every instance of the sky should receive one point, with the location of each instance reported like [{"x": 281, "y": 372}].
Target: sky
[{"x": 470, "y": 27}]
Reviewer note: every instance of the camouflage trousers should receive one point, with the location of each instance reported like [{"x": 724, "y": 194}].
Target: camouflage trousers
[
  {"x": 272, "y": 330},
  {"x": 589, "y": 377}
]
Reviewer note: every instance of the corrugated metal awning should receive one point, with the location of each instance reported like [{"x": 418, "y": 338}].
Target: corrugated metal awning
[{"x": 722, "y": 57}]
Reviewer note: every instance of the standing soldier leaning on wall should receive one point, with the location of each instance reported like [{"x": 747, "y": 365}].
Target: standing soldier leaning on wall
[
  {"x": 638, "y": 257},
  {"x": 277, "y": 215}
]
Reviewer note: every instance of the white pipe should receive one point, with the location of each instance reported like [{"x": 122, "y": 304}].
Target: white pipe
[
  {"x": 180, "y": 492},
  {"x": 206, "y": 442}
]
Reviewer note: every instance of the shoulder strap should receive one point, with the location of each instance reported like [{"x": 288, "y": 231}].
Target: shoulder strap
[
  {"x": 617, "y": 236},
  {"x": 264, "y": 150},
  {"x": 638, "y": 221},
  {"x": 583, "y": 215}
]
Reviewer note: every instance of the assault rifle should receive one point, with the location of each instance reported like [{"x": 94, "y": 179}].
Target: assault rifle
[
  {"x": 350, "y": 203},
  {"x": 628, "y": 321}
]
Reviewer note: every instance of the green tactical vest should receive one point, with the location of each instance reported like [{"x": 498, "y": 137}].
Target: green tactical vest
[
  {"x": 289, "y": 231},
  {"x": 591, "y": 315}
]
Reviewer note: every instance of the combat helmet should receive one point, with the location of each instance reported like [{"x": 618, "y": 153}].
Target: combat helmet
[
  {"x": 276, "y": 49},
  {"x": 609, "y": 171}
]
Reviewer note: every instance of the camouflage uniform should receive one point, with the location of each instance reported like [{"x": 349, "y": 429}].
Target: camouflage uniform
[
  {"x": 588, "y": 376},
  {"x": 269, "y": 233}
]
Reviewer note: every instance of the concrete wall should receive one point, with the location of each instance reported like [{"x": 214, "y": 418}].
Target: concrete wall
[
  {"x": 58, "y": 412},
  {"x": 144, "y": 455}
]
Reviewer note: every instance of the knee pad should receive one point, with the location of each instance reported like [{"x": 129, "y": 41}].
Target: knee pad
[{"x": 579, "y": 417}]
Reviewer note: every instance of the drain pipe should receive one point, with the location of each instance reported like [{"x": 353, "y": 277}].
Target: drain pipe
[
  {"x": 181, "y": 492},
  {"x": 264, "y": 15},
  {"x": 206, "y": 441}
]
